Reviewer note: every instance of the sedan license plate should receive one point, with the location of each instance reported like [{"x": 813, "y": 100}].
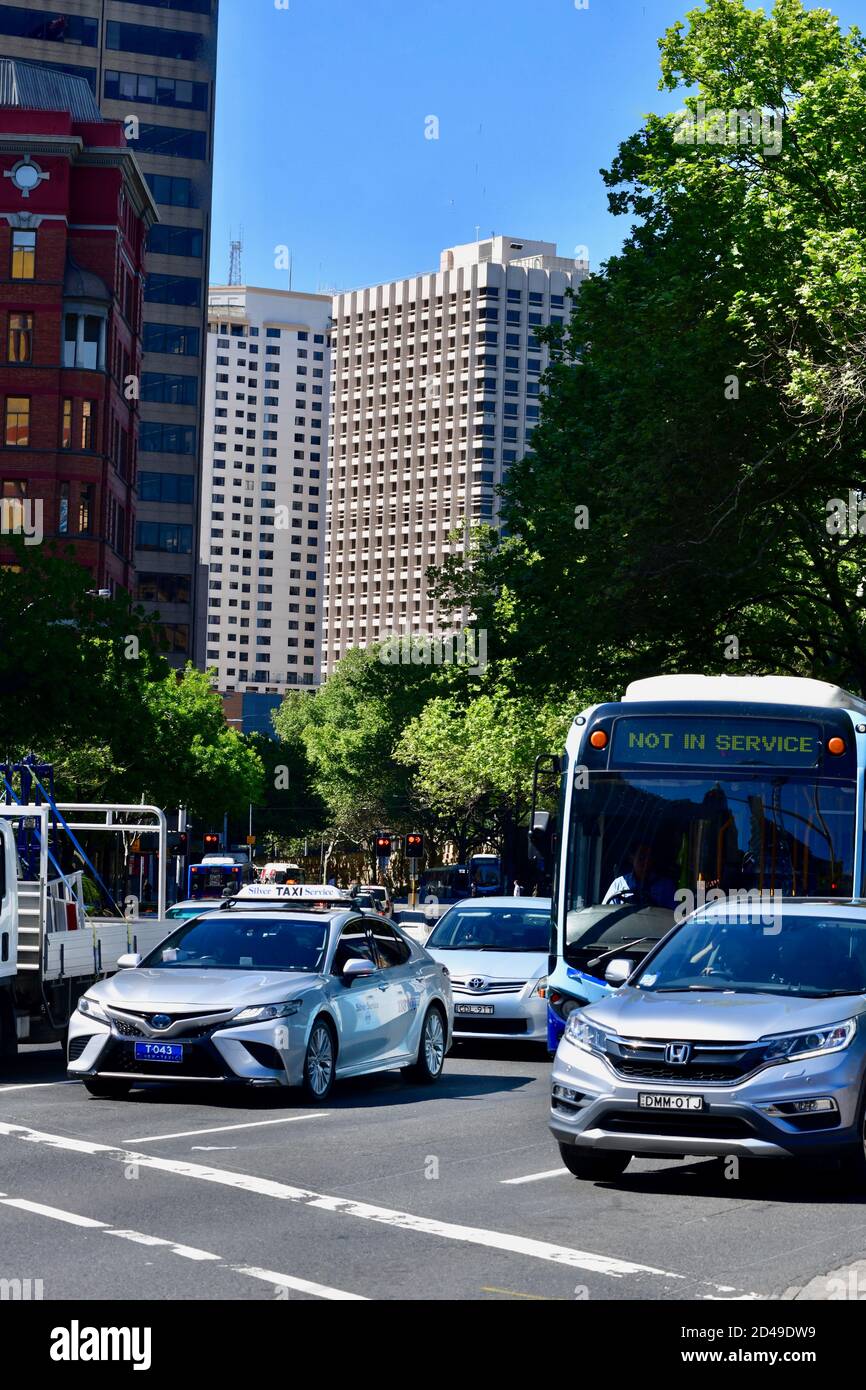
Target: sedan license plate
[
  {"x": 473, "y": 1009},
  {"x": 659, "y": 1102},
  {"x": 158, "y": 1052}
]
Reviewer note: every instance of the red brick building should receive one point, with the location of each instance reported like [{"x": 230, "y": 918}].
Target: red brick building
[{"x": 74, "y": 216}]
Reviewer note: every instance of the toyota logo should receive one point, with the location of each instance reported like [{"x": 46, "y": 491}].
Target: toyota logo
[
  {"x": 160, "y": 1021},
  {"x": 678, "y": 1054},
  {"x": 477, "y": 983}
]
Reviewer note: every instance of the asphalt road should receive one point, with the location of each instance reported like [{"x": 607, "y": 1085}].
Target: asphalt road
[{"x": 392, "y": 1191}]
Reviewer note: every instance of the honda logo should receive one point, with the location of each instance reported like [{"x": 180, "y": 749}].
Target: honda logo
[{"x": 678, "y": 1054}]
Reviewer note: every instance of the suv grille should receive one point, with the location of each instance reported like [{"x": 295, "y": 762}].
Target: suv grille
[
  {"x": 693, "y": 1125},
  {"x": 710, "y": 1063}
]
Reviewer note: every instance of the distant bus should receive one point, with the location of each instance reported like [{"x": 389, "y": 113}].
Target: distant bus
[
  {"x": 215, "y": 873},
  {"x": 485, "y": 875},
  {"x": 448, "y": 884},
  {"x": 281, "y": 873}
]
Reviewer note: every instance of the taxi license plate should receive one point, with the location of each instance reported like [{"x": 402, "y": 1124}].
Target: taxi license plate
[
  {"x": 473, "y": 1009},
  {"x": 658, "y": 1102},
  {"x": 158, "y": 1052}
]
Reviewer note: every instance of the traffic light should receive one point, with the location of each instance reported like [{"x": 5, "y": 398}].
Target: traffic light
[
  {"x": 177, "y": 842},
  {"x": 211, "y": 843},
  {"x": 414, "y": 845},
  {"x": 383, "y": 845}
]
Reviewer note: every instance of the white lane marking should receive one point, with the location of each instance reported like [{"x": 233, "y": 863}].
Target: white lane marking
[
  {"x": 421, "y": 1225},
  {"x": 39, "y": 1209},
  {"x": 534, "y": 1177},
  {"x": 221, "y": 1129},
  {"x": 187, "y": 1252},
  {"x": 37, "y": 1085},
  {"x": 286, "y": 1281}
]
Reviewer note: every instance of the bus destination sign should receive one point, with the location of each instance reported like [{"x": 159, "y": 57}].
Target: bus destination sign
[{"x": 687, "y": 740}]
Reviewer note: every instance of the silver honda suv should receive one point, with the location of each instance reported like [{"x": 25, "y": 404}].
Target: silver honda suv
[{"x": 742, "y": 1033}]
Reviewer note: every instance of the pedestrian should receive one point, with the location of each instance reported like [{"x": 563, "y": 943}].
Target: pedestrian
[{"x": 518, "y": 889}]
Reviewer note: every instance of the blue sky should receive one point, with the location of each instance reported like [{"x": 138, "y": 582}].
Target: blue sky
[{"x": 321, "y": 116}]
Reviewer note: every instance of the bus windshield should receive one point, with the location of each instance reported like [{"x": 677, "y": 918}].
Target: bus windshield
[{"x": 638, "y": 839}]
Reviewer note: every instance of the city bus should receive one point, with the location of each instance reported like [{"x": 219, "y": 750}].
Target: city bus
[
  {"x": 447, "y": 884},
  {"x": 216, "y": 872},
  {"x": 691, "y": 786},
  {"x": 485, "y": 875}
]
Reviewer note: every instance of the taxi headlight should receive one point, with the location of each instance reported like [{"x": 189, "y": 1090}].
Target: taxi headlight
[
  {"x": 91, "y": 1008},
  {"x": 264, "y": 1012},
  {"x": 816, "y": 1042}
]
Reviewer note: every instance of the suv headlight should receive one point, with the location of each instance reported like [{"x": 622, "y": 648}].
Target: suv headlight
[
  {"x": 91, "y": 1008},
  {"x": 265, "y": 1012},
  {"x": 817, "y": 1042},
  {"x": 587, "y": 1035}
]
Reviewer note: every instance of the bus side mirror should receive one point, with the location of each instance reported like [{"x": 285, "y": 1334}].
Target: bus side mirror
[{"x": 541, "y": 832}]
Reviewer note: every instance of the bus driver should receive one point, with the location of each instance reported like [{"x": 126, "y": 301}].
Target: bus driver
[{"x": 642, "y": 882}]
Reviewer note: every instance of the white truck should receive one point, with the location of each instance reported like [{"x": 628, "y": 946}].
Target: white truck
[{"x": 50, "y": 949}]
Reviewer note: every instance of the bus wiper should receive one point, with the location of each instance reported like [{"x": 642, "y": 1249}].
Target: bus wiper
[{"x": 624, "y": 946}]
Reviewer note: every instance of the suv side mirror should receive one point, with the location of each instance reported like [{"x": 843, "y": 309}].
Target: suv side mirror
[
  {"x": 618, "y": 972},
  {"x": 128, "y": 962},
  {"x": 357, "y": 969}
]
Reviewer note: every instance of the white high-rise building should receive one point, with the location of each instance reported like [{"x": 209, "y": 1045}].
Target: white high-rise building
[
  {"x": 434, "y": 393},
  {"x": 263, "y": 486}
]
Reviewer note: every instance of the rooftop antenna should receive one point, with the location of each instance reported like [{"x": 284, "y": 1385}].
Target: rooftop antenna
[{"x": 235, "y": 272}]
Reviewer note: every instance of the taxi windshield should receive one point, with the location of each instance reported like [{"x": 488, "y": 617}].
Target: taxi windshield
[{"x": 235, "y": 943}]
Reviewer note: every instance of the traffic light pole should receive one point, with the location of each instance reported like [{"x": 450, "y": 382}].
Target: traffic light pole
[{"x": 413, "y": 869}]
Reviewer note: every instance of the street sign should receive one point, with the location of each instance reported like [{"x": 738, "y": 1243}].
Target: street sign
[{"x": 251, "y": 839}]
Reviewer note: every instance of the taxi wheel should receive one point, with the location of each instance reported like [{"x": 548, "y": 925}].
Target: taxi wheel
[
  {"x": 108, "y": 1090},
  {"x": 600, "y": 1166},
  {"x": 320, "y": 1063},
  {"x": 431, "y": 1050}
]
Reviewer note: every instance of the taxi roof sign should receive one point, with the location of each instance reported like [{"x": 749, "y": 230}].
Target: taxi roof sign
[{"x": 302, "y": 892}]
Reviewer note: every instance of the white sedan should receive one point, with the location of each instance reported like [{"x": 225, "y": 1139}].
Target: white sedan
[
  {"x": 281, "y": 986},
  {"x": 496, "y": 952}
]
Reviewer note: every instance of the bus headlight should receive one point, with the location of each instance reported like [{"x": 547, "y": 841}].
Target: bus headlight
[
  {"x": 816, "y": 1042},
  {"x": 586, "y": 1035}
]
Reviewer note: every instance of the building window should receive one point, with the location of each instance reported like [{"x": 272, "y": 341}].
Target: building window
[
  {"x": 175, "y": 638},
  {"x": 20, "y": 337},
  {"x": 87, "y": 425},
  {"x": 23, "y": 255},
  {"x": 171, "y": 140},
  {"x": 155, "y": 438},
  {"x": 49, "y": 26},
  {"x": 84, "y": 341},
  {"x": 171, "y": 191},
  {"x": 169, "y": 389},
  {"x": 165, "y": 487},
  {"x": 66, "y": 428},
  {"x": 165, "y": 240},
  {"x": 157, "y": 43},
  {"x": 63, "y": 510},
  {"x": 164, "y": 537},
  {"x": 163, "y": 588},
  {"x": 170, "y": 337},
  {"x": 85, "y": 509},
  {"x": 173, "y": 289},
  {"x": 17, "y": 422},
  {"x": 155, "y": 91}
]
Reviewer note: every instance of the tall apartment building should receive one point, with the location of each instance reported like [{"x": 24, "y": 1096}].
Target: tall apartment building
[
  {"x": 74, "y": 216},
  {"x": 263, "y": 486},
  {"x": 434, "y": 390},
  {"x": 155, "y": 61}
]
